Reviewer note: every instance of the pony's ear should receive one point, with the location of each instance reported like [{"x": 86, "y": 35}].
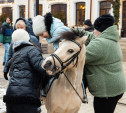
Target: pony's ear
[
  {"x": 84, "y": 39},
  {"x": 60, "y": 44}
]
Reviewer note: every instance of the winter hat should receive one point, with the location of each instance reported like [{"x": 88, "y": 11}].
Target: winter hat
[
  {"x": 103, "y": 22},
  {"x": 38, "y": 25},
  {"x": 88, "y": 22},
  {"x": 20, "y": 35}
]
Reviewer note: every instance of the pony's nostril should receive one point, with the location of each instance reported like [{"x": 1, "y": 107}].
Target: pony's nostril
[{"x": 48, "y": 64}]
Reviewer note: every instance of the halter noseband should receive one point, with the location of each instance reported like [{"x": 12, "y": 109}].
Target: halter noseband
[{"x": 68, "y": 61}]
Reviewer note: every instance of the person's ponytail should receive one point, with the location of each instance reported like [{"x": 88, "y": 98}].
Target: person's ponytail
[{"x": 48, "y": 21}]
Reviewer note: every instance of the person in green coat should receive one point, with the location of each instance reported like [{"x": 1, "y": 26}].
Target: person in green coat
[
  {"x": 6, "y": 31},
  {"x": 103, "y": 66}
]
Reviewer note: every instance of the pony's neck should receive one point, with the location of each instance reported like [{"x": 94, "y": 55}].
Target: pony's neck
[{"x": 75, "y": 74}]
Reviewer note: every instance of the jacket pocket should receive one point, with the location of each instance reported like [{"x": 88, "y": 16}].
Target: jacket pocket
[
  {"x": 95, "y": 82},
  {"x": 7, "y": 39}
]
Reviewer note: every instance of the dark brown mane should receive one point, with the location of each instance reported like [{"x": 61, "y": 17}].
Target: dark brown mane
[
  {"x": 68, "y": 36},
  {"x": 72, "y": 35}
]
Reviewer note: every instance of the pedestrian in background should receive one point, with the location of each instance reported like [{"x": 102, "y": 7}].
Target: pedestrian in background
[
  {"x": 103, "y": 66},
  {"x": 23, "y": 92},
  {"x": 50, "y": 28},
  {"x": 6, "y": 32},
  {"x": 88, "y": 25}
]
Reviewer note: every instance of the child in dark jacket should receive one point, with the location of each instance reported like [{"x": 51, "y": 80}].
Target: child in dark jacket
[{"x": 26, "y": 75}]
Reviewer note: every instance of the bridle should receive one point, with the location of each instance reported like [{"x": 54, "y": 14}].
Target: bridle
[{"x": 67, "y": 63}]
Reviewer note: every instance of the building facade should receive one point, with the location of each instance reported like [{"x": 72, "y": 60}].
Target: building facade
[{"x": 71, "y": 12}]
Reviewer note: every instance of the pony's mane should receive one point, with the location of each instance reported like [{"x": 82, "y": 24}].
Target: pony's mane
[{"x": 73, "y": 34}]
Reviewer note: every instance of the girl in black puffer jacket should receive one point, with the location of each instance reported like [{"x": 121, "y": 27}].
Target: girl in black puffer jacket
[{"x": 23, "y": 93}]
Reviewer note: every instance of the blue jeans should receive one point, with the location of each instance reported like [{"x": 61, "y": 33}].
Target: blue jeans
[{"x": 6, "y": 45}]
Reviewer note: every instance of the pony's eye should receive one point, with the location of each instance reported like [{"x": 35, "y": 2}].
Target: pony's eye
[{"x": 70, "y": 51}]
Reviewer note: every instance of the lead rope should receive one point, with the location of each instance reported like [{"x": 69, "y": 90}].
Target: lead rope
[{"x": 84, "y": 100}]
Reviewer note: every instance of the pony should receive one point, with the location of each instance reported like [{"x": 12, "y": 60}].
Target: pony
[{"x": 67, "y": 65}]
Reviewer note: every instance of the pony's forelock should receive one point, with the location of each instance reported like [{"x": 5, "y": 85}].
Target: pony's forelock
[
  {"x": 68, "y": 36},
  {"x": 78, "y": 32},
  {"x": 73, "y": 34}
]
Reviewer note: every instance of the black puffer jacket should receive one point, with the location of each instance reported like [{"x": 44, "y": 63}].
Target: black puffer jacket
[{"x": 26, "y": 75}]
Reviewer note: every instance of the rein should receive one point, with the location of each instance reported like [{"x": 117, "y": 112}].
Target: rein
[
  {"x": 68, "y": 61},
  {"x": 84, "y": 100}
]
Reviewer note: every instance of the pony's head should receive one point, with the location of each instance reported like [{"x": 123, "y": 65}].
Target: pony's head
[{"x": 68, "y": 55}]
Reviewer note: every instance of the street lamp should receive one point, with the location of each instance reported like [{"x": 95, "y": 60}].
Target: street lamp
[
  {"x": 37, "y": 7},
  {"x": 37, "y": 11}
]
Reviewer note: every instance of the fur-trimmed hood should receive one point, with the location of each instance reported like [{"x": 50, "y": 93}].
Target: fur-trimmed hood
[
  {"x": 20, "y": 43},
  {"x": 28, "y": 26}
]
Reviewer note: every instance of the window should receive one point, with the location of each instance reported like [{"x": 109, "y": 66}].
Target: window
[
  {"x": 40, "y": 9},
  {"x": 59, "y": 11},
  {"x": 105, "y": 7},
  {"x": 7, "y": 12},
  {"x": 80, "y": 13},
  {"x": 22, "y": 11}
]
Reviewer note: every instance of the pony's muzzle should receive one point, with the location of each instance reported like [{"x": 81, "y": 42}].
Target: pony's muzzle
[{"x": 47, "y": 65}]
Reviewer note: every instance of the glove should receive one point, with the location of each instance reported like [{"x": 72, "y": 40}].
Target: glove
[{"x": 5, "y": 76}]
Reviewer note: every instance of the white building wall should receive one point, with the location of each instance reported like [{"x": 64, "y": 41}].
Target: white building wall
[{"x": 32, "y": 9}]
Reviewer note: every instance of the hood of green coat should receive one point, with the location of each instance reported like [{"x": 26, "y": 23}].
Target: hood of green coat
[{"x": 110, "y": 33}]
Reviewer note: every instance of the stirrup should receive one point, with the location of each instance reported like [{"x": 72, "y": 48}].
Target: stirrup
[
  {"x": 43, "y": 93},
  {"x": 85, "y": 100}
]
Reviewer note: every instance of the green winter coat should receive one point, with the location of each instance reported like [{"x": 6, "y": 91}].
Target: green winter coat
[
  {"x": 5, "y": 33},
  {"x": 104, "y": 71},
  {"x": 1, "y": 38},
  {"x": 1, "y": 35}
]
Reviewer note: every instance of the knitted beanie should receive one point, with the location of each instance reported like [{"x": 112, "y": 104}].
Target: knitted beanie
[
  {"x": 103, "y": 22},
  {"x": 88, "y": 22},
  {"x": 42, "y": 23},
  {"x": 38, "y": 25},
  {"x": 20, "y": 35}
]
